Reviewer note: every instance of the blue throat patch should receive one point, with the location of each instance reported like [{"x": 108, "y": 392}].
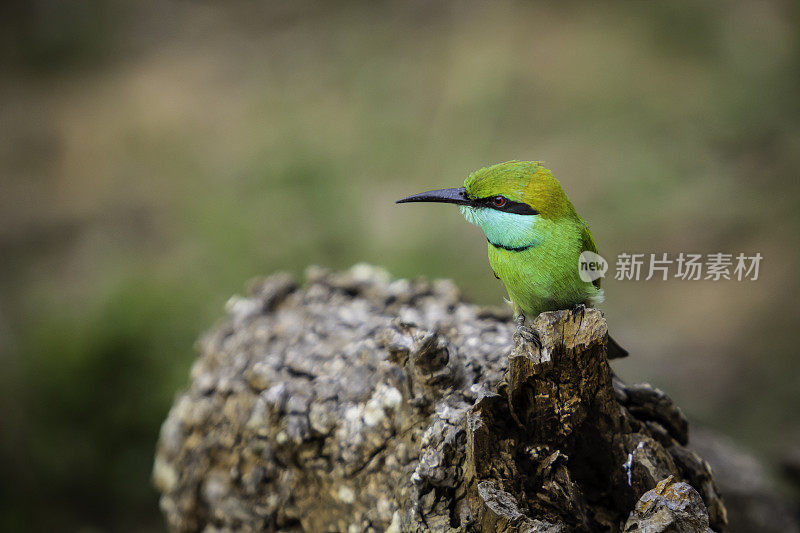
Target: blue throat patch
[{"x": 509, "y": 231}]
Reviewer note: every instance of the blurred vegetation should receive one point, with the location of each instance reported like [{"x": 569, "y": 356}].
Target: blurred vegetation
[{"x": 155, "y": 155}]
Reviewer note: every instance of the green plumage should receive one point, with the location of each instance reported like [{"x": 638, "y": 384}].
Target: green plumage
[
  {"x": 544, "y": 275},
  {"x": 535, "y": 237}
]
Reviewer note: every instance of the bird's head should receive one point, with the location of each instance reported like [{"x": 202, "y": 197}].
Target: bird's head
[{"x": 512, "y": 202}]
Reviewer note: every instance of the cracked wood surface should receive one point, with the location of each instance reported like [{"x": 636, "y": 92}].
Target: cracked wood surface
[{"x": 362, "y": 403}]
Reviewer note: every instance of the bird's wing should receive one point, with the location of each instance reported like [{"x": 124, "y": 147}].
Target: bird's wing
[
  {"x": 588, "y": 240},
  {"x": 589, "y": 245}
]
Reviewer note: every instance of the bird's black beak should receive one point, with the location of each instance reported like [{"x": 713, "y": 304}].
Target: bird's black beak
[{"x": 457, "y": 195}]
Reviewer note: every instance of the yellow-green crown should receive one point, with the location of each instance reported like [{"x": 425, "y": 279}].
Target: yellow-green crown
[{"x": 522, "y": 181}]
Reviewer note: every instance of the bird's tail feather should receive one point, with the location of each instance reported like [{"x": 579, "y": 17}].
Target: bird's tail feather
[{"x": 614, "y": 350}]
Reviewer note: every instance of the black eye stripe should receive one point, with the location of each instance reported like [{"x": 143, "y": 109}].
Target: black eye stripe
[{"x": 519, "y": 208}]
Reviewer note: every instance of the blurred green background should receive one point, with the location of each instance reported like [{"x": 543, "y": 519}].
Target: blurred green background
[{"x": 157, "y": 154}]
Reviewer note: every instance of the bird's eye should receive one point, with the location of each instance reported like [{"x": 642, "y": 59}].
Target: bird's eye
[{"x": 499, "y": 201}]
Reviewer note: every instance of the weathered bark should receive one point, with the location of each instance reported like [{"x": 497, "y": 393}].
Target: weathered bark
[
  {"x": 673, "y": 507},
  {"x": 570, "y": 444},
  {"x": 359, "y": 403}
]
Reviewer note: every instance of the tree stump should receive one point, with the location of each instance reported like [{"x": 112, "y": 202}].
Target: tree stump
[{"x": 361, "y": 403}]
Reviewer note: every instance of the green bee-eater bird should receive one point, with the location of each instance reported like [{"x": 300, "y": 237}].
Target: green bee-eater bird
[{"x": 535, "y": 236}]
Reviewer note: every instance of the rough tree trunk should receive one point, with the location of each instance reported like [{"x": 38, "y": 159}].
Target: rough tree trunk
[{"x": 359, "y": 403}]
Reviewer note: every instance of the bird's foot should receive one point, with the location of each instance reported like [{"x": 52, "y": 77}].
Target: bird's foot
[
  {"x": 531, "y": 337},
  {"x": 526, "y": 333},
  {"x": 579, "y": 310},
  {"x": 528, "y": 336}
]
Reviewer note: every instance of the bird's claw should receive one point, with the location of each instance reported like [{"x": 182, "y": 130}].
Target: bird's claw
[
  {"x": 579, "y": 309},
  {"x": 527, "y": 334},
  {"x": 531, "y": 337}
]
